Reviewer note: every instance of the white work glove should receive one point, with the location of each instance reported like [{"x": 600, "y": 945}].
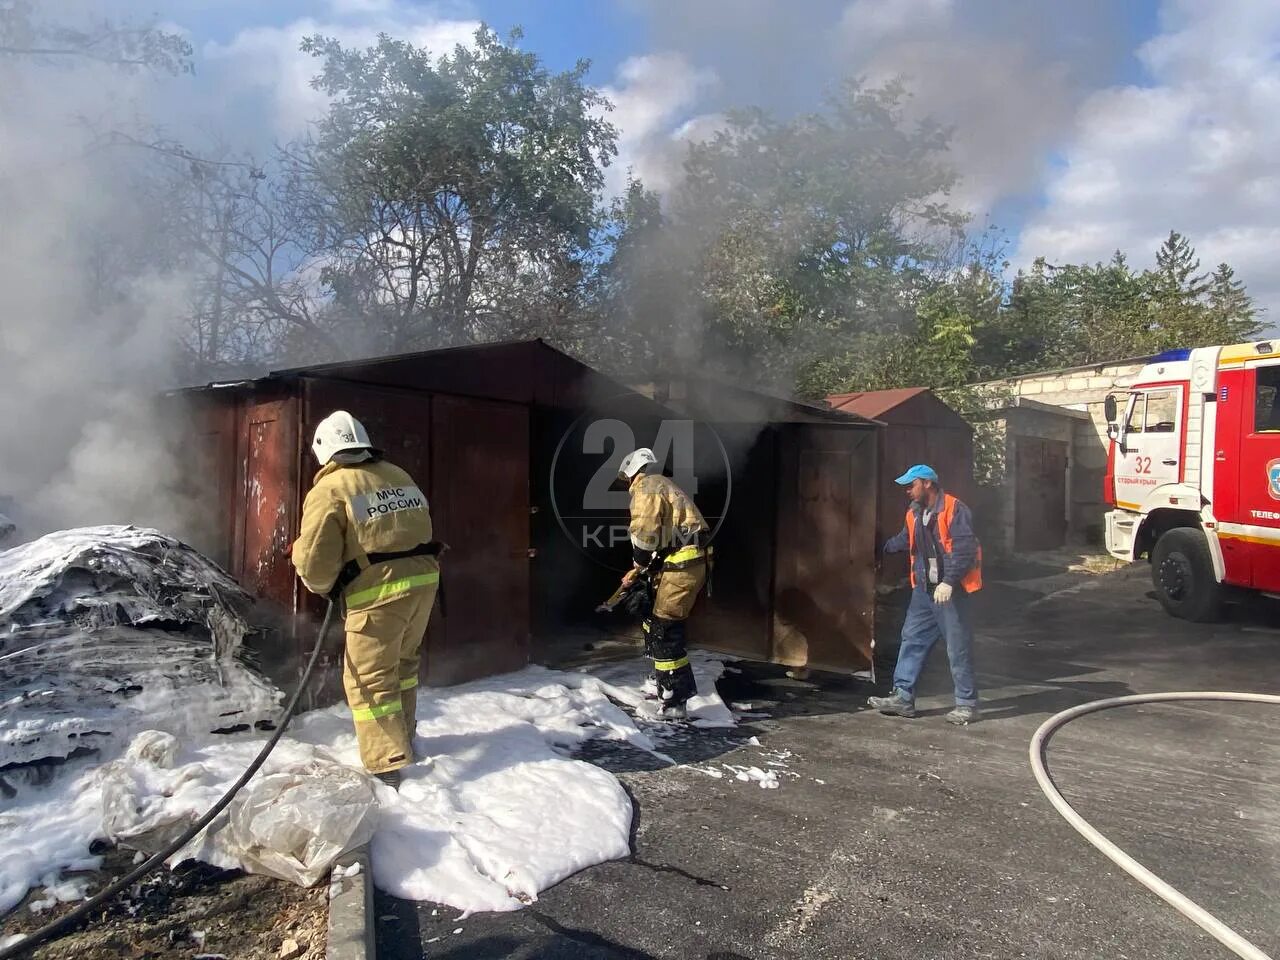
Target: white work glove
[{"x": 942, "y": 593}]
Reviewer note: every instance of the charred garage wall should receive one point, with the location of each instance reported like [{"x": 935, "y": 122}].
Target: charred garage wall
[{"x": 504, "y": 439}]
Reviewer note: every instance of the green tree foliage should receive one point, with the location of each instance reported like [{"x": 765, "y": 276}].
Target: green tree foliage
[
  {"x": 1076, "y": 314},
  {"x": 448, "y": 197},
  {"x": 1089, "y": 313},
  {"x": 1230, "y": 311},
  {"x": 974, "y": 325},
  {"x": 819, "y": 254},
  {"x": 456, "y": 198},
  {"x": 784, "y": 237}
]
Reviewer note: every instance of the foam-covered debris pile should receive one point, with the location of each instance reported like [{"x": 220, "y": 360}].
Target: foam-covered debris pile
[
  {"x": 129, "y": 645},
  {"x": 107, "y": 631}
]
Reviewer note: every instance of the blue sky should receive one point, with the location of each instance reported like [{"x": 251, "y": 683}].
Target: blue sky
[{"x": 1081, "y": 127}]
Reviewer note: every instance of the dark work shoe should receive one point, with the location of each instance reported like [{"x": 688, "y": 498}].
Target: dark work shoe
[
  {"x": 962, "y": 715},
  {"x": 391, "y": 778},
  {"x": 894, "y": 705}
]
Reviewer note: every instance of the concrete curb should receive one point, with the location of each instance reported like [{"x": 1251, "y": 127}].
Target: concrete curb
[{"x": 351, "y": 908}]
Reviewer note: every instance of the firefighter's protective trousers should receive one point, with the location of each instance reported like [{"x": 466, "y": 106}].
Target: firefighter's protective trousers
[
  {"x": 354, "y": 511},
  {"x": 666, "y": 522},
  {"x": 380, "y": 675},
  {"x": 666, "y": 643}
]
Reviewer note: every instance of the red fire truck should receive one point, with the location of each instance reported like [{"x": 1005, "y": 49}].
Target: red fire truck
[{"x": 1193, "y": 474}]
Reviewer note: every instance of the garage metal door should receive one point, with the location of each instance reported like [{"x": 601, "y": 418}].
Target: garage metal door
[
  {"x": 1040, "y": 500},
  {"x": 824, "y": 591}
]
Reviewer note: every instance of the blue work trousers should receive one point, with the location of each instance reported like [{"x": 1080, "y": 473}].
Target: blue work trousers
[{"x": 926, "y": 623}]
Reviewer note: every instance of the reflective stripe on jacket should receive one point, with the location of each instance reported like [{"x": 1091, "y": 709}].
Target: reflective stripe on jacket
[
  {"x": 664, "y": 516},
  {"x": 356, "y": 509},
  {"x": 952, "y": 530}
]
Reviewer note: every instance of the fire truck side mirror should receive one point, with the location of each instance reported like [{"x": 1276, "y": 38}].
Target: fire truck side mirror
[{"x": 1110, "y": 409}]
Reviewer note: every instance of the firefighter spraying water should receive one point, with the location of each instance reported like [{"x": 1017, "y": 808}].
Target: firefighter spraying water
[{"x": 366, "y": 542}]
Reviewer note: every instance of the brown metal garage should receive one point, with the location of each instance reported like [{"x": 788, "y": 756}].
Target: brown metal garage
[{"x": 482, "y": 428}]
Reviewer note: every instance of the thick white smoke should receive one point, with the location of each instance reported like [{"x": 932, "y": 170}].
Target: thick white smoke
[{"x": 88, "y": 303}]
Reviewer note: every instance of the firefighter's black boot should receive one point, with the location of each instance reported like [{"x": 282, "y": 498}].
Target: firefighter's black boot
[
  {"x": 676, "y": 683},
  {"x": 676, "y": 688},
  {"x": 650, "y": 686}
]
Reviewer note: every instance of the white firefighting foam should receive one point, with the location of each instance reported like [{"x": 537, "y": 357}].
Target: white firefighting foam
[{"x": 496, "y": 812}]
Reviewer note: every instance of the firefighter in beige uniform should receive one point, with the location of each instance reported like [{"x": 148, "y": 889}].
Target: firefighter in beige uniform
[
  {"x": 366, "y": 541},
  {"x": 669, "y": 541}
]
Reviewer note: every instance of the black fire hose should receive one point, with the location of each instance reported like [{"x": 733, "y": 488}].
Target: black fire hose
[{"x": 64, "y": 924}]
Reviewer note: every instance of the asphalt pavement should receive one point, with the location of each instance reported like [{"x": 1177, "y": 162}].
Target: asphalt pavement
[{"x": 891, "y": 838}]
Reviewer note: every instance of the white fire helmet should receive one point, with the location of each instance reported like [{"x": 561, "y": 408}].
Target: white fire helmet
[
  {"x": 635, "y": 461},
  {"x": 337, "y": 433}
]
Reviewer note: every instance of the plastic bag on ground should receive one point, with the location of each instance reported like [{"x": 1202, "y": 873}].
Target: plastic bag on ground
[
  {"x": 295, "y": 823},
  {"x": 291, "y": 821}
]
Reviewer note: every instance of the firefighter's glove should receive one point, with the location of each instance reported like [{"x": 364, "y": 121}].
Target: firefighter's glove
[
  {"x": 942, "y": 593},
  {"x": 638, "y": 602}
]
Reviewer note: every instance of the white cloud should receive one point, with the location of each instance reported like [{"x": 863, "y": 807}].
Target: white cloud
[
  {"x": 866, "y": 22},
  {"x": 1197, "y": 149},
  {"x": 266, "y": 60},
  {"x": 653, "y": 96},
  {"x": 347, "y": 7}
]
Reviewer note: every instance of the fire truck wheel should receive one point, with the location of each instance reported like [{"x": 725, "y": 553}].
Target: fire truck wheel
[{"x": 1182, "y": 571}]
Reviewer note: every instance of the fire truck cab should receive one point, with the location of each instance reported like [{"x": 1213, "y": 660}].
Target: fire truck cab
[{"x": 1193, "y": 474}]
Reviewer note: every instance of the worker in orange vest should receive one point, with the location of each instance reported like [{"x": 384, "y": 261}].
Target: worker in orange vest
[{"x": 946, "y": 567}]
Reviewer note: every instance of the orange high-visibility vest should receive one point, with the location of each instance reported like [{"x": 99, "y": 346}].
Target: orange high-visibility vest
[{"x": 973, "y": 579}]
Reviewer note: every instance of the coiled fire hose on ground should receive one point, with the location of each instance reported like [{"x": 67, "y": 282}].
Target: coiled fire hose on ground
[
  {"x": 65, "y": 923},
  {"x": 1183, "y": 904}
]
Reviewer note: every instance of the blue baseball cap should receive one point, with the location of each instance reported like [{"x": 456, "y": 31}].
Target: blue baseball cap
[{"x": 919, "y": 472}]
